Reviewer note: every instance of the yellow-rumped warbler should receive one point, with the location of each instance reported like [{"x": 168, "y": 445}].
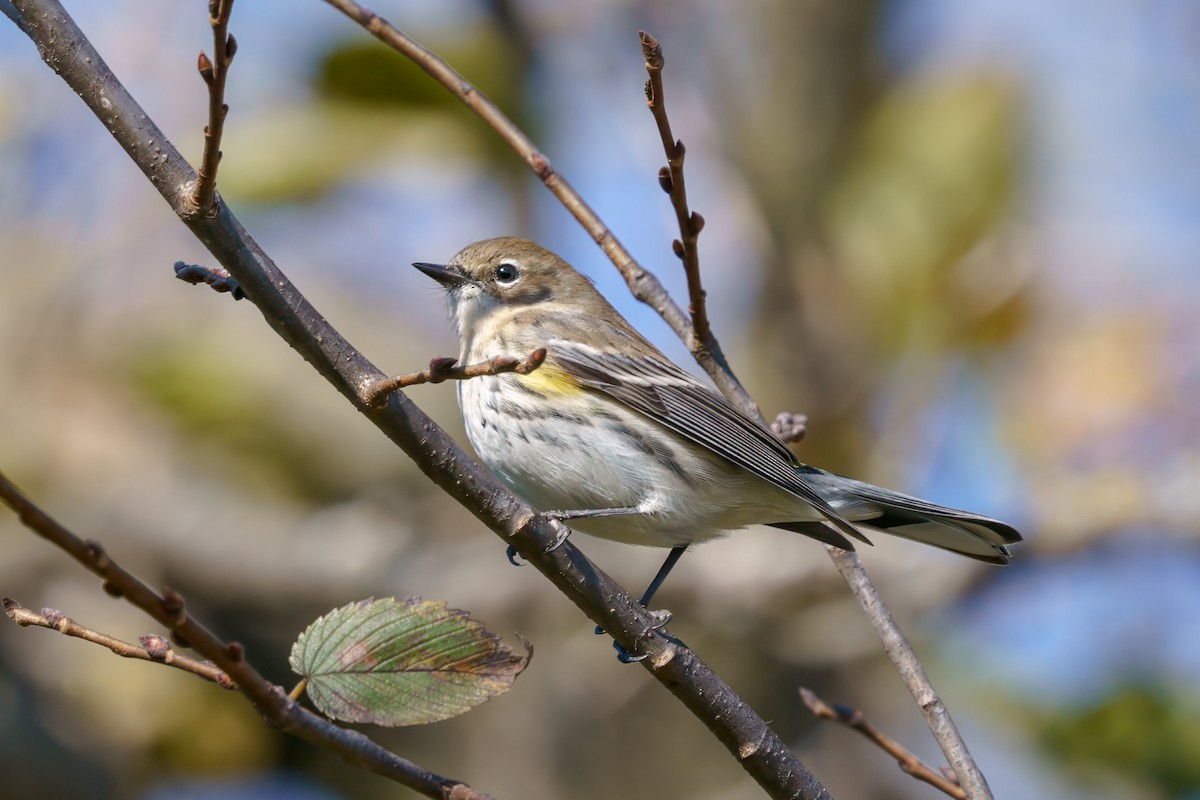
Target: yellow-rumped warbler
[{"x": 612, "y": 436}]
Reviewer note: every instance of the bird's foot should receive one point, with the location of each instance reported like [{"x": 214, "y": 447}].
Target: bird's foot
[{"x": 658, "y": 620}]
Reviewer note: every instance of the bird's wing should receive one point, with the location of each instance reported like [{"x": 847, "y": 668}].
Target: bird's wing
[{"x": 673, "y": 398}]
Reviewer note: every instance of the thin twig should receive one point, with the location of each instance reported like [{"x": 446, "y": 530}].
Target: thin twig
[
  {"x": 671, "y": 179},
  {"x": 759, "y": 750},
  {"x": 854, "y": 719},
  {"x": 848, "y": 563},
  {"x": 442, "y": 368},
  {"x": 216, "y": 277},
  {"x": 790, "y": 427},
  {"x": 152, "y": 648},
  {"x": 270, "y": 700},
  {"x": 642, "y": 283},
  {"x": 214, "y": 73},
  {"x": 937, "y": 716}
]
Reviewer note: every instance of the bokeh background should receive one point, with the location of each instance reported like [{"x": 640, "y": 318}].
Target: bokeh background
[{"x": 960, "y": 235}]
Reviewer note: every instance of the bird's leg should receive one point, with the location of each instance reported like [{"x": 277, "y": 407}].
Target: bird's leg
[
  {"x": 663, "y": 571},
  {"x": 661, "y": 617}
]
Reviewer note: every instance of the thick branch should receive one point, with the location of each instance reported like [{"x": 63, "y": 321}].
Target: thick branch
[
  {"x": 760, "y": 751},
  {"x": 854, "y": 719},
  {"x": 271, "y": 701},
  {"x": 447, "y": 369},
  {"x": 152, "y": 647},
  {"x": 214, "y": 74}
]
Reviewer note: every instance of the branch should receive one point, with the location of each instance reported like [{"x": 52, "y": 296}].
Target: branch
[
  {"x": 444, "y": 369},
  {"x": 642, "y": 284},
  {"x": 214, "y": 74},
  {"x": 937, "y": 716},
  {"x": 216, "y": 277},
  {"x": 8, "y": 10},
  {"x": 152, "y": 647},
  {"x": 847, "y": 562},
  {"x": 854, "y": 719},
  {"x": 269, "y": 700},
  {"x": 757, "y": 748},
  {"x": 790, "y": 427},
  {"x": 670, "y": 178}
]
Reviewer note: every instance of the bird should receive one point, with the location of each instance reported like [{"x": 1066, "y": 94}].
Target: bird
[{"x": 610, "y": 435}]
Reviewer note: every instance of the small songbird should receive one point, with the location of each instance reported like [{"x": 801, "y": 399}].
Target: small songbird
[{"x": 615, "y": 438}]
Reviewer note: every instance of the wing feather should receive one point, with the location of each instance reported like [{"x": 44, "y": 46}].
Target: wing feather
[{"x": 673, "y": 398}]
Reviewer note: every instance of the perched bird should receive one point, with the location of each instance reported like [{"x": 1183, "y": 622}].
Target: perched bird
[{"x": 612, "y": 436}]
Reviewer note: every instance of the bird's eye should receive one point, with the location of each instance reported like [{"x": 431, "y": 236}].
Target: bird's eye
[{"x": 507, "y": 274}]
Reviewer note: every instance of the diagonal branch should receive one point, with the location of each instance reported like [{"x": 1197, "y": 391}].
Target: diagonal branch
[
  {"x": 854, "y": 719},
  {"x": 214, "y": 73},
  {"x": 152, "y": 647},
  {"x": 270, "y": 701},
  {"x": 937, "y": 716},
  {"x": 759, "y": 750}
]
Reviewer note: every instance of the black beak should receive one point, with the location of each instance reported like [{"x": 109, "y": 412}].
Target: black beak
[{"x": 450, "y": 277}]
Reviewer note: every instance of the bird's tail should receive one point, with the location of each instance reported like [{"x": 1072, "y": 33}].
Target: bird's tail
[{"x": 873, "y": 508}]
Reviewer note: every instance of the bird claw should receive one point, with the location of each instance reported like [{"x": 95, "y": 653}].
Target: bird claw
[
  {"x": 625, "y": 657},
  {"x": 563, "y": 531},
  {"x": 512, "y": 555},
  {"x": 661, "y": 617},
  {"x": 658, "y": 620}
]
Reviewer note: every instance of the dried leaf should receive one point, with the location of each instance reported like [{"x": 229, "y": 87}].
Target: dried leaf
[{"x": 402, "y": 662}]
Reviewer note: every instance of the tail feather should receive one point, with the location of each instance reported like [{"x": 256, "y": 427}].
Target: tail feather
[{"x": 875, "y": 508}]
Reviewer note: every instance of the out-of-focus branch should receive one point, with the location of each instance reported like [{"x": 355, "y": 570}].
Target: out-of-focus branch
[
  {"x": 442, "y": 368},
  {"x": 854, "y": 719},
  {"x": 270, "y": 700},
  {"x": 152, "y": 647},
  {"x": 214, "y": 73},
  {"x": 759, "y": 750},
  {"x": 790, "y": 427}
]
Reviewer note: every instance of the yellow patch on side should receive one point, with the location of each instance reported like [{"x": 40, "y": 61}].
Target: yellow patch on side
[{"x": 548, "y": 379}]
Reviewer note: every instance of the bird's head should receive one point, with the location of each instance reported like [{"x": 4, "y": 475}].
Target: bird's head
[{"x": 490, "y": 276}]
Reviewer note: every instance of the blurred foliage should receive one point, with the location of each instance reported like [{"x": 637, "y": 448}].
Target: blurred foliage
[
  {"x": 362, "y": 72},
  {"x": 270, "y": 162},
  {"x": 1144, "y": 733},
  {"x": 932, "y": 174},
  {"x": 373, "y": 103},
  {"x": 224, "y": 411}
]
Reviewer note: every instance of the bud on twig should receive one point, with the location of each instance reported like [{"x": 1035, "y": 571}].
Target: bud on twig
[
  {"x": 664, "y": 179},
  {"x": 205, "y": 67}
]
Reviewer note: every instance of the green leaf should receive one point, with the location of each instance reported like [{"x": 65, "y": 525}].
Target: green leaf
[{"x": 402, "y": 662}]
